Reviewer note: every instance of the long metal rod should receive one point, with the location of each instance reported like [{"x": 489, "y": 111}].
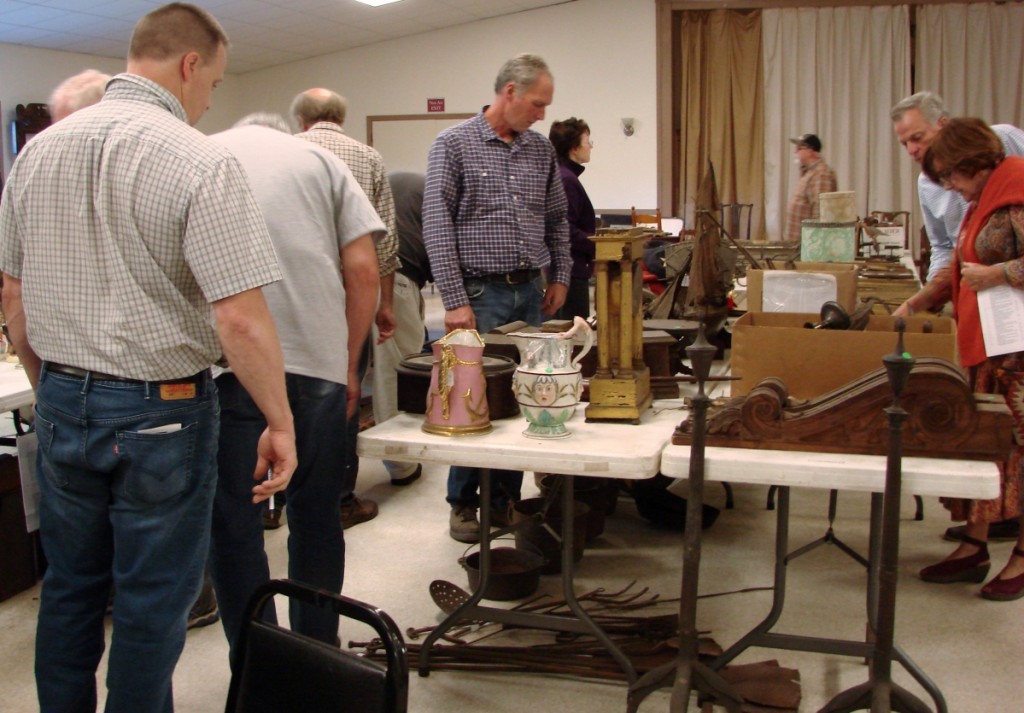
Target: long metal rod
[{"x": 691, "y": 674}]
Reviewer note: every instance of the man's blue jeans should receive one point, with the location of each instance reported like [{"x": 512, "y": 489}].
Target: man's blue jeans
[
  {"x": 127, "y": 481},
  {"x": 316, "y": 545},
  {"x": 495, "y": 304}
]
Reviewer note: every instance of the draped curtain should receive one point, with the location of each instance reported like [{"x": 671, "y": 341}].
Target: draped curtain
[
  {"x": 748, "y": 81},
  {"x": 836, "y": 72},
  {"x": 973, "y": 56},
  {"x": 721, "y": 114}
]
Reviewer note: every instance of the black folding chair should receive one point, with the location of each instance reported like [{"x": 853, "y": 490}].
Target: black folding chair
[{"x": 281, "y": 670}]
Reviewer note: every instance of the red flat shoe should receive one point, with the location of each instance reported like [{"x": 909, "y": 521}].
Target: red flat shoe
[
  {"x": 1005, "y": 590},
  {"x": 972, "y": 568}
]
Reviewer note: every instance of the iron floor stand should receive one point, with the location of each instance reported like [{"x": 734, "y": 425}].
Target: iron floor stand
[
  {"x": 687, "y": 673},
  {"x": 880, "y": 694}
]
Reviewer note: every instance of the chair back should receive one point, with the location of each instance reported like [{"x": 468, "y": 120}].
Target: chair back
[
  {"x": 281, "y": 670},
  {"x": 731, "y": 218},
  {"x": 646, "y": 218}
]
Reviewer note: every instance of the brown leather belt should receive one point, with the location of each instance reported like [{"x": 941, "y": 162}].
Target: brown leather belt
[
  {"x": 100, "y": 376},
  {"x": 516, "y": 277}
]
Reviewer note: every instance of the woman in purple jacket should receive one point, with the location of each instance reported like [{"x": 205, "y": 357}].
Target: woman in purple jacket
[{"x": 571, "y": 139}]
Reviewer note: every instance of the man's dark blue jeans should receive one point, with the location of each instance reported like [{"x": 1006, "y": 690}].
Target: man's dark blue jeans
[
  {"x": 316, "y": 545},
  {"x": 127, "y": 473}
]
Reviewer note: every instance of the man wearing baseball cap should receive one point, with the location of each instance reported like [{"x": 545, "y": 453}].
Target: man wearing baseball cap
[{"x": 815, "y": 178}]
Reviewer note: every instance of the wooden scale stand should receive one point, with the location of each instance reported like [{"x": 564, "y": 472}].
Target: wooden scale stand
[{"x": 620, "y": 389}]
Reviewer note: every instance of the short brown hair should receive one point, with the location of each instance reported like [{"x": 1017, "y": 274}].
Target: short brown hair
[
  {"x": 175, "y": 30},
  {"x": 966, "y": 145},
  {"x": 567, "y": 135}
]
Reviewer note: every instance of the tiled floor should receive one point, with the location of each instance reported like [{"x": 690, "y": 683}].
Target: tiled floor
[{"x": 969, "y": 646}]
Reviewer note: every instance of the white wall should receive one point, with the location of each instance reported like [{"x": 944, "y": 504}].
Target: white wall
[
  {"x": 30, "y": 75},
  {"x": 602, "y": 53}
]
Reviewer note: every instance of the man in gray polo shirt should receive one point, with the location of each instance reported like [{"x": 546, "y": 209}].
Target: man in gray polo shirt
[
  {"x": 323, "y": 228},
  {"x": 120, "y": 227}
]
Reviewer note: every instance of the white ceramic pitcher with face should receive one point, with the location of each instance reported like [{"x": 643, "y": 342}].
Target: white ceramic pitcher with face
[{"x": 547, "y": 383}]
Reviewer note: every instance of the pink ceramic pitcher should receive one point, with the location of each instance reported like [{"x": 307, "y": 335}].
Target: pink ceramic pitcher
[{"x": 457, "y": 398}]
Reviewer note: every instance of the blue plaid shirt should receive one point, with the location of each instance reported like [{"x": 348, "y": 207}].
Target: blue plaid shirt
[{"x": 492, "y": 207}]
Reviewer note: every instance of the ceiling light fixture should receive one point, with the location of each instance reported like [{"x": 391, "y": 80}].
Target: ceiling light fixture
[{"x": 376, "y": 3}]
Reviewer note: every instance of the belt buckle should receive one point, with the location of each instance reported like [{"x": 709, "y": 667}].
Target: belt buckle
[{"x": 509, "y": 280}]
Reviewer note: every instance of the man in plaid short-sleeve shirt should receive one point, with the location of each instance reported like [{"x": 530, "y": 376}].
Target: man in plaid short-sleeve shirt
[
  {"x": 321, "y": 115},
  {"x": 123, "y": 233}
]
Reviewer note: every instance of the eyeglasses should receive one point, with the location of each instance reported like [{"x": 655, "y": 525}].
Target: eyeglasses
[
  {"x": 944, "y": 177},
  {"x": 587, "y": 142}
]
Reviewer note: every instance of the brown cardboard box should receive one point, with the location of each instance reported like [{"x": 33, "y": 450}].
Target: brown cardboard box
[
  {"x": 846, "y": 283},
  {"x": 812, "y": 362}
]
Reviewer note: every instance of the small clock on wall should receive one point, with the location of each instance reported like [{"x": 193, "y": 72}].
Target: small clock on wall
[{"x": 29, "y": 120}]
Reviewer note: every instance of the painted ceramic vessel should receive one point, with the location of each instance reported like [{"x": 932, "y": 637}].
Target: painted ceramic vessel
[
  {"x": 547, "y": 382},
  {"x": 457, "y": 398}
]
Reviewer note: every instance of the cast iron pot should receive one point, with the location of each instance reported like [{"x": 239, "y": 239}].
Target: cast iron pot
[{"x": 514, "y": 573}]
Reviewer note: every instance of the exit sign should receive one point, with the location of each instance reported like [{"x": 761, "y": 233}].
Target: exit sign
[{"x": 435, "y": 105}]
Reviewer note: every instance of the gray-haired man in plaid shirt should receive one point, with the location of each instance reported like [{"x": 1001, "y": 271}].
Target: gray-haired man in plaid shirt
[{"x": 494, "y": 223}]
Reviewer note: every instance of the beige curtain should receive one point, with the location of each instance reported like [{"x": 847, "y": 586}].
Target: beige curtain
[
  {"x": 835, "y": 72},
  {"x": 721, "y": 113},
  {"x": 973, "y": 56}
]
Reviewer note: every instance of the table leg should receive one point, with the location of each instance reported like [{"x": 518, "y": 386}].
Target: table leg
[
  {"x": 568, "y": 565},
  {"x": 462, "y": 612},
  {"x": 761, "y": 635},
  {"x": 471, "y": 610}
]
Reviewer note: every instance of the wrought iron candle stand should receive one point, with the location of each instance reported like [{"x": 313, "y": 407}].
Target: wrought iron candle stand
[
  {"x": 687, "y": 673},
  {"x": 880, "y": 694}
]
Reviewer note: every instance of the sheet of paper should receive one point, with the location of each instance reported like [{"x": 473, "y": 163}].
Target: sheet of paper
[
  {"x": 789, "y": 291},
  {"x": 1002, "y": 319}
]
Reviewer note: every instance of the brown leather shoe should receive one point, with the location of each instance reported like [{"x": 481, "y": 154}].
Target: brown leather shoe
[{"x": 355, "y": 511}]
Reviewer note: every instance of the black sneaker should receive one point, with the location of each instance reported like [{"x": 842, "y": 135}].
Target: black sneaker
[{"x": 204, "y": 611}]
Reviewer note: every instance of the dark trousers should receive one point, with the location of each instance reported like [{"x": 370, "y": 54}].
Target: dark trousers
[{"x": 316, "y": 545}]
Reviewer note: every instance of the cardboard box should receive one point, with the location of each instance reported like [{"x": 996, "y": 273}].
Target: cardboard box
[
  {"x": 846, "y": 283},
  {"x": 828, "y": 242},
  {"x": 813, "y": 362}
]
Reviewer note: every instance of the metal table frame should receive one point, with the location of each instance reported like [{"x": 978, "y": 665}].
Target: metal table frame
[
  {"x": 602, "y": 449},
  {"x": 926, "y": 476}
]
